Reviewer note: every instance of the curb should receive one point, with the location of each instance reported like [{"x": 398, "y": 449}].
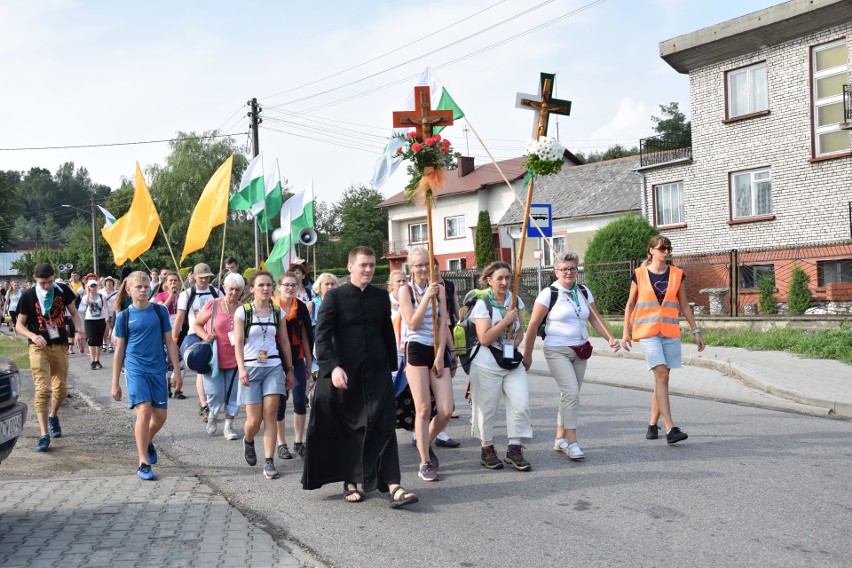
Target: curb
[{"x": 730, "y": 368}]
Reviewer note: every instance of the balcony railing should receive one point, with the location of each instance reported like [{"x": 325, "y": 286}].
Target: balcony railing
[
  {"x": 847, "y": 103},
  {"x": 399, "y": 248},
  {"x": 671, "y": 147}
]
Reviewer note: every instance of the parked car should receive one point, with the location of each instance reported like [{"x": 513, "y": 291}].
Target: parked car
[{"x": 13, "y": 414}]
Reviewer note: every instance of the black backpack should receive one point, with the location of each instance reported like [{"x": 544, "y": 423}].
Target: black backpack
[
  {"x": 184, "y": 330},
  {"x": 554, "y": 295}
]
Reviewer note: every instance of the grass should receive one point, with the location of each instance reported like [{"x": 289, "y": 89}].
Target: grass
[
  {"x": 16, "y": 350},
  {"x": 833, "y": 344}
]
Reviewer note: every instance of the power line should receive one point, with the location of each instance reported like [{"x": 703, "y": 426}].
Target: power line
[
  {"x": 324, "y": 140},
  {"x": 106, "y": 145},
  {"x": 398, "y": 49}
]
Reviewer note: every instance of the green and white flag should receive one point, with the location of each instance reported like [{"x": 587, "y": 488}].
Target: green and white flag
[
  {"x": 265, "y": 211},
  {"x": 301, "y": 210},
  {"x": 110, "y": 218},
  {"x": 387, "y": 164},
  {"x": 283, "y": 252},
  {"x": 251, "y": 189}
]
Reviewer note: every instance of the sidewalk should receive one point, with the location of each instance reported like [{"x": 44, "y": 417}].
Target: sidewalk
[{"x": 815, "y": 386}]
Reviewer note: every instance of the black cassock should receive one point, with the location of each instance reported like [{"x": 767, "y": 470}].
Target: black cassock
[{"x": 351, "y": 432}]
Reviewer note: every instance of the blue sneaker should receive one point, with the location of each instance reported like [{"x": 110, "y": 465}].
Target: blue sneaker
[
  {"x": 53, "y": 427},
  {"x": 43, "y": 443},
  {"x": 152, "y": 453},
  {"x": 144, "y": 472}
]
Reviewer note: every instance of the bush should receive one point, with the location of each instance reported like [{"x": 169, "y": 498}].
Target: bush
[
  {"x": 766, "y": 302},
  {"x": 799, "y": 296},
  {"x": 624, "y": 239},
  {"x": 484, "y": 246}
]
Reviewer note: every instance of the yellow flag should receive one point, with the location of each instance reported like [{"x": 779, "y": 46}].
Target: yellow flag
[
  {"x": 211, "y": 209},
  {"x": 134, "y": 232}
]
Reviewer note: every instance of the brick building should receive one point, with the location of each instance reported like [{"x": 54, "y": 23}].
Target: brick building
[{"x": 768, "y": 170}]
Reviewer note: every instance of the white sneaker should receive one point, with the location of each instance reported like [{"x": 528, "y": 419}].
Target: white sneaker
[
  {"x": 229, "y": 433},
  {"x": 574, "y": 452},
  {"x": 212, "y": 422}
]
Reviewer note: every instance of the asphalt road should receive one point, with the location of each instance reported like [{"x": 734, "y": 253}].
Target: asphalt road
[{"x": 751, "y": 487}]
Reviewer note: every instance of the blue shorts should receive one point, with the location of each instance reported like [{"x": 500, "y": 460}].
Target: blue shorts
[
  {"x": 144, "y": 387},
  {"x": 263, "y": 382},
  {"x": 661, "y": 350}
]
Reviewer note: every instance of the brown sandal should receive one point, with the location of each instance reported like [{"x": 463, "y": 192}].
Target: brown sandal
[{"x": 397, "y": 503}]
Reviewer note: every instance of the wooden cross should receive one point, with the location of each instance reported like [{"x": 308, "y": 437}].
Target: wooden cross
[
  {"x": 543, "y": 105},
  {"x": 423, "y": 118}
]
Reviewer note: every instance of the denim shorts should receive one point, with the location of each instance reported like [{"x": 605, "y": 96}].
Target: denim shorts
[
  {"x": 661, "y": 350},
  {"x": 263, "y": 382}
]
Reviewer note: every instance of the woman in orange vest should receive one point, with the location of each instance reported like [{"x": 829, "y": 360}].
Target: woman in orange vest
[{"x": 656, "y": 299}]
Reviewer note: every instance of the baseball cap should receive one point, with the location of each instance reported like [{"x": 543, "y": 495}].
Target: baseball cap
[
  {"x": 202, "y": 269},
  {"x": 91, "y": 281}
]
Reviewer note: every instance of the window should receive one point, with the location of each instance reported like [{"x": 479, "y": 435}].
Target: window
[
  {"x": 668, "y": 204},
  {"x": 751, "y": 194},
  {"x": 558, "y": 245},
  {"x": 829, "y": 67},
  {"x": 457, "y": 264},
  {"x": 454, "y": 227},
  {"x": 417, "y": 233},
  {"x": 833, "y": 271},
  {"x": 747, "y": 91},
  {"x": 751, "y": 275}
]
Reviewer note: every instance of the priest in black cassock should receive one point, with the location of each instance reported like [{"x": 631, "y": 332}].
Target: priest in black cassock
[{"x": 352, "y": 427}]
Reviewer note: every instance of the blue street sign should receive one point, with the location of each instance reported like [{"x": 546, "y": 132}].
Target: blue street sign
[{"x": 542, "y": 214}]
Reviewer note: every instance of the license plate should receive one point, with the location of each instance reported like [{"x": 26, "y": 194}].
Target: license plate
[{"x": 11, "y": 427}]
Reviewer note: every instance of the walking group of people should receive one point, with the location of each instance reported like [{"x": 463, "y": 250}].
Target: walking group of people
[{"x": 358, "y": 338}]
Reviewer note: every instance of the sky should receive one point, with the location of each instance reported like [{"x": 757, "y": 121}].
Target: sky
[{"x": 328, "y": 76}]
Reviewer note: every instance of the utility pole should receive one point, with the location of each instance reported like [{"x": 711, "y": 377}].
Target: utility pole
[
  {"x": 254, "y": 115},
  {"x": 94, "y": 236}
]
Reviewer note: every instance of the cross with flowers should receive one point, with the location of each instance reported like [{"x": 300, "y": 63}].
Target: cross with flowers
[
  {"x": 422, "y": 118},
  {"x": 544, "y": 105}
]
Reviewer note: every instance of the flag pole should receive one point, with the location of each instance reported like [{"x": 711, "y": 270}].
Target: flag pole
[
  {"x": 222, "y": 256},
  {"x": 168, "y": 244}
]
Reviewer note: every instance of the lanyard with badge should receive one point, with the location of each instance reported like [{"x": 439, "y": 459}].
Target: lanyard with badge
[
  {"x": 263, "y": 354},
  {"x": 508, "y": 347},
  {"x": 573, "y": 298},
  {"x": 52, "y": 328}
]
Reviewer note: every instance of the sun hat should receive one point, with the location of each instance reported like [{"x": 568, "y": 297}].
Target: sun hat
[{"x": 202, "y": 269}]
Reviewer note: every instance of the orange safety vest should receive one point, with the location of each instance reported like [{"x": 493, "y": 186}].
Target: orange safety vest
[{"x": 650, "y": 317}]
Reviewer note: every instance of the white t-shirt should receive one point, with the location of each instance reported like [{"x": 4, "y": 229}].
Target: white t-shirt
[
  {"x": 484, "y": 359},
  {"x": 566, "y": 323},
  {"x": 199, "y": 301},
  {"x": 94, "y": 309},
  {"x": 110, "y": 301},
  {"x": 261, "y": 335}
]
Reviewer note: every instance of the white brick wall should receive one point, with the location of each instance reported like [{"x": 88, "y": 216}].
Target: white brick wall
[{"x": 810, "y": 201}]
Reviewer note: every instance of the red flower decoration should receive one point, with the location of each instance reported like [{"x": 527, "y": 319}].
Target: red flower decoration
[
  {"x": 437, "y": 137},
  {"x": 444, "y": 149},
  {"x": 399, "y": 150},
  {"x": 412, "y": 135},
  {"x": 416, "y": 147},
  {"x": 445, "y": 143}
]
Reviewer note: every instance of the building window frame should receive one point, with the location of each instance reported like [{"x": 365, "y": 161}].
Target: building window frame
[
  {"x": 833, "y": 271},
  {"x": 421, "y": 231},
  {"x": 757, "y": 177},
  {"x": 671, "y": 190},
  {"x": 753, "y": 72},
  {"x": 750, "y": 274},
  {"x": 558, "y": 243},
  {"x": 820, "y": 103},
  {"x": 454, "y": 227},
  {"x": 461, "y": 263}
]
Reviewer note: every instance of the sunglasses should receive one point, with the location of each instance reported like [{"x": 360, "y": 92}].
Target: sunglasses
[{"x": 664, "y": 249}]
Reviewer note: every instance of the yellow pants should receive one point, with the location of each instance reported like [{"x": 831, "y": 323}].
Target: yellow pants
[{"x": 50, "y": 374}]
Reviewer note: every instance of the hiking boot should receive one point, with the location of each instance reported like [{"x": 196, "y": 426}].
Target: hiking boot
[
  {"x": 179, "y": 395},
  {"x": 228, "y": 432},
  {"x": 144, "y": 472},
  {"x": 427, "y": 472},
  {"x": 284, "y": 452},
  {"x": 675, "y": 435},
  {"x": 97, "y": 365},
  {"x": 269, "y": 469},
  {"x": 212, "y": 423},
  {"x": 43, "y": 443},
  {"x": 152, "y": 453},
  {"x": 299, "y": 448},
  {"x": 515, "y": 456},
  {"x": 53, "y": 427},
  {"x": 653, "y": 432},
  {"x": 488, "y": 458},
  {"x": 249, "y": 453}
]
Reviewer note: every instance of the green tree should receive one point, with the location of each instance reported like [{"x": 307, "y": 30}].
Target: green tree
[
  {"x": 766, "y": 302},
  {"x": 484, "y": 245},
  {"x": 799, "y": 297},
  {"x": 672, "y": 125},
  {"x": 605, "y": 262},
  {"x": 327, "y": 225},
  {"x": 362, "y": 222},
  {"x": 611, "y": 153},
  {"x": 9, "y": 207}
]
